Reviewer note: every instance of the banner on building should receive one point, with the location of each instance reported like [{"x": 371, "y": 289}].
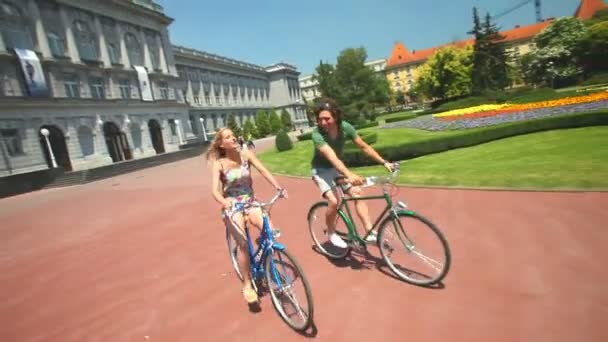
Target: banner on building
[
  {"x": 144, "y": 83},
  {"x": 32, "y": 72}
]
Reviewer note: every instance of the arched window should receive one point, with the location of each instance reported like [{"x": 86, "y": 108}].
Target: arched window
[
  {"x": 86, "y": 40},
  {"x": 136, "y": 56},
  {"x": 154, "y": 49},
  {"x": 112, "y": 42},
  {"x": 14, "y": 27}
]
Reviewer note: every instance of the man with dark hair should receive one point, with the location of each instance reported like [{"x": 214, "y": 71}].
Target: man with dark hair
[{"x": 329, "y": 138}]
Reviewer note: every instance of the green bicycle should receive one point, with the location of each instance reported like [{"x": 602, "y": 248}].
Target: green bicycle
[{"x": 399, "y": 230}]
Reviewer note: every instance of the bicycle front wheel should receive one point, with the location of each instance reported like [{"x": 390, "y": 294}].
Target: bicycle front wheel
[
  {"x": 292, "y": 301},
  {"x": 233, "y": 250},
  {"x": 414, "y": 248},
  {"x": 317, "y": 226}
]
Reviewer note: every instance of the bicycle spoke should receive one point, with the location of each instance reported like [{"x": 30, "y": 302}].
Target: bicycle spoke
[
  {"x": 430, "y": 261},
  {"x": 406, "y": 258}
]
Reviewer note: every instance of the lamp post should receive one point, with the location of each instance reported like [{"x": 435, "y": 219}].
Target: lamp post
[
  {"x": 45, "y": 132},
  {"x": 202, "y": 120},
  {"x": 179, "y": 131}
]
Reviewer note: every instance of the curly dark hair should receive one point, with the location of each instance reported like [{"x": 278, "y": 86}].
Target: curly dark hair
[{"x": 330, "y": 105}]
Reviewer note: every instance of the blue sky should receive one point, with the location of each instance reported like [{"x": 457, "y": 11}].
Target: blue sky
[{"x": 302, "y": 33}]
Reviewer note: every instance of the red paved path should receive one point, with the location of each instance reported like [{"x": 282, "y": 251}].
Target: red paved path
[{"x": 142, "y": 257}]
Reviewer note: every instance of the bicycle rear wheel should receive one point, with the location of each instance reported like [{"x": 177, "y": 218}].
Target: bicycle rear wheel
[
  {"x": 414, "y": 248},
  {"x": 317, "y": 227},
  {"x": 293, "y": 303}
]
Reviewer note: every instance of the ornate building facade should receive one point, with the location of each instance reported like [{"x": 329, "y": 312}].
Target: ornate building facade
[
  {"x": 215, "y": 86},
  {"x": 87, "y": 83}
]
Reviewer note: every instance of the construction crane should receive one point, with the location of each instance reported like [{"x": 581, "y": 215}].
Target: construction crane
[{"x": 539, "y": 18}]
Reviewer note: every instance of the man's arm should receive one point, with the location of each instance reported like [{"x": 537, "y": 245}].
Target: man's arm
[
  {"x": 331, "y": 156},
  {"x": 372, "y": 153}
]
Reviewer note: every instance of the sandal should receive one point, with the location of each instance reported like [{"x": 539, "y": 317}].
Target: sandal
[{"x": 250, "y": 295}]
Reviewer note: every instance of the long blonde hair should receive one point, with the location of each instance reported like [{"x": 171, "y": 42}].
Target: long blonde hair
[{"x": 215, "y": 151}]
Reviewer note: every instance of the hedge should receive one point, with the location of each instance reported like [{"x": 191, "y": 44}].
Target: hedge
[
  {"x": 466, "y": 138},
  {"x": 373, "y": 136},
  {"x": 401, "y": 117}
]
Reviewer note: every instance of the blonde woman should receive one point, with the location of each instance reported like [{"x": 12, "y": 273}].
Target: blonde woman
[{"x": 231, "y": 183}]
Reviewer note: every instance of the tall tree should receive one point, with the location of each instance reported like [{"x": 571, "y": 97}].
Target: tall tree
[
  {"x": 232, "y": 124},
  {"x": 498, "y": 75},
  {"x": 355, "y": 87},
  {"x": 479, "y": 55},
  {"x": 262, "y": 124},
  {"x": 275, "y": 122},
  {"x": 325, "y": 77},
  {"x": 286, "y": 120}
]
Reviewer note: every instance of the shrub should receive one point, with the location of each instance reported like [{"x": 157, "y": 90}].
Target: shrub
[{"x": 282, "y": 141}]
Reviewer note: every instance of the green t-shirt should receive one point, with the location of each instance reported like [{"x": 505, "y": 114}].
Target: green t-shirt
[{"x": 320, "y": 138}]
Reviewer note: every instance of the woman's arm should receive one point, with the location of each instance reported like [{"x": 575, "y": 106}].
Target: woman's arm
[{"x": 215, "y": 186}]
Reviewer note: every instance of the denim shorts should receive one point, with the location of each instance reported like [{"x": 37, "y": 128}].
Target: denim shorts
[{"x": 324, "y": 178}]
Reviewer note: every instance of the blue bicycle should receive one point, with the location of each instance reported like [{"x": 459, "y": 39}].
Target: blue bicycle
[{"x": 274, "y": 268}]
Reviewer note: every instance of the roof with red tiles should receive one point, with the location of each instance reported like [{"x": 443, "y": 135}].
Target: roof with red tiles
[
  {"x": 587, "y": 8},
  {"x": 401, "y": 55}
]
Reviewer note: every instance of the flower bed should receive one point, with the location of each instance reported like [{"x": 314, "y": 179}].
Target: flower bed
[{"x": 504, "y": 109}]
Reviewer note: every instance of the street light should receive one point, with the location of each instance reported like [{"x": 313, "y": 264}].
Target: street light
[
  {"x": 202, "y": 120},
  {"x": 45, "y": 132}
]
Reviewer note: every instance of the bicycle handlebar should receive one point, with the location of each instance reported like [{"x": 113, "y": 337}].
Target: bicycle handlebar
[
  {"x": 373, "y": 180},
  {"x": 242, "y": 206}
]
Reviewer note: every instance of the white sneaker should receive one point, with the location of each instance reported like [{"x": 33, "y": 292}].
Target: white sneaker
[
  {"x": 337, "y": 241},
  {"x": 372, "y": 237}
]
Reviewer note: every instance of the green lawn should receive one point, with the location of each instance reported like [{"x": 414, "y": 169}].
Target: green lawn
[{"x": 572, "y": 158}]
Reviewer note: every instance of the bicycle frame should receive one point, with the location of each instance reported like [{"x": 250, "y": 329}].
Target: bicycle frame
[
  {"x": 265, "y": 246},
  {"x": 353, "y": 235}
]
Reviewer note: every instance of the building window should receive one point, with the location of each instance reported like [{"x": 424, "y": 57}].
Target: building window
[
  {"x": 14, "y": 27},
  {"x": 125, "y": 89},
  {"x": 97, "y": 88},
  {"x": 136, "y": 57},
  {"x": 71, "y": 86},
  {"x": 56, "y": 44},
  {"x": 12, "y": 141},
  {"x": 86, "y": 41},
  {"x": 114, "y": 53},
  {"x": 164, "y": 90},
  {"x": 173, "y": 127},
  {"x": 154, "y": 49}
]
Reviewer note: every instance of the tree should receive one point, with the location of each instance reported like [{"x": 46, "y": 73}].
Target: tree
[
  {"x": 447, "y": 73},
  {"x": 325, "y": 77},
  {"x": 262, "y": 124},
  {"x": 249, "y": 130},
  {"x": 275, "y": 122},
  {"x": 497, "y": 58},
  {"x": 593, "y": 47},
  {"x": 598, "y": 17},
  {"x": 286, "y": 120},
  {"x": 231, "y": 123},
  {"x": 490, "y": 67},
  {"x": 400, "y": 97},
  {"x": 355, "y": 87},
  {"x": 479, "y": 55},
  {"x": 556, "y": 59}
]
